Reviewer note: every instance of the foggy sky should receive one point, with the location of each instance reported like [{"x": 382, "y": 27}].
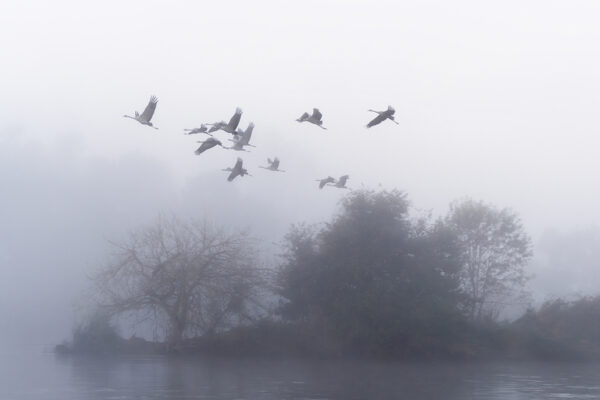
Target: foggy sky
[{"x": 496, "y": 102}]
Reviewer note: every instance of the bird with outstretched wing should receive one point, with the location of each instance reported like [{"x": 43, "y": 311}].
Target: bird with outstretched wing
[
  {"x": 149, "y": 111},
  {"x": 146, "y": 116}
]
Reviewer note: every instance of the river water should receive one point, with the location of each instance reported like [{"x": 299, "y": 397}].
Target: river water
[{"x": 42, "y": 375}]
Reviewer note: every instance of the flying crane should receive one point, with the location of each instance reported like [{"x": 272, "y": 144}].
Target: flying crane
[
  {"x": 146, "y": 116},
  {"x": 242, "y": 138},
  {"x": 315, "y": 118},
  {"x": 382, "y": 116},
  {"x": 237, "y": 170},
  {"x": 325, "y": 181},
  {"x": 273, "y": 165},
  {"x": 207, "y": 144},
  {"x": 229, "y": 127}
]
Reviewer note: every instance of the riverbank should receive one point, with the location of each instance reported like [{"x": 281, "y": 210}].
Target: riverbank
[{"x": 523, "y": 339}]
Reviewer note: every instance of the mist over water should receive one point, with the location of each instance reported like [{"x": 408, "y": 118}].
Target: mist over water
[{"x": 495, "y": 102}]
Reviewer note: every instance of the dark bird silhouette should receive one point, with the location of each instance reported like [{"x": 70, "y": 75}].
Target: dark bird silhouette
[
  {"x": 315, "y": 118},
  {"x": 341, "y": 183},
  {"x": 273, "y": 165},
  {"x": 237, "y": 170},
  {"x": 146, "y": 116},
  {"x": 382, "y": 116},
  {"x": 325, "y": 181},
  {"x": 203, "y": 129},
  {"x": 207, "y": 144},
  {"x": 242, "y": 138},
  {"x": 230, "y": 126}
]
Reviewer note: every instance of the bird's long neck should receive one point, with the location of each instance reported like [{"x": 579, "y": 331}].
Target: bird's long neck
[{"x": 129, "y": 116}]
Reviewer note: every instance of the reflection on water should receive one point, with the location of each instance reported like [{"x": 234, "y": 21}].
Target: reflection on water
[{"x": 37, "y": 375}]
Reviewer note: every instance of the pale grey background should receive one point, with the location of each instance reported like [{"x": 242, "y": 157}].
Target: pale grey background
[{"x": 496, "y": 101}]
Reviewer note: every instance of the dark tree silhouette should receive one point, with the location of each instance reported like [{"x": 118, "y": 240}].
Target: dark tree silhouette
[{"x": 373, "y": 280}]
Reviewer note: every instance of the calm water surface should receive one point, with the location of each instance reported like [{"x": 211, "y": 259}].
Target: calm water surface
[{"x": 38, "y": 375}]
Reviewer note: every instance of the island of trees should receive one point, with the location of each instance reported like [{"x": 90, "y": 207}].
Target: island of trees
[{"x": 375, "y": 281}]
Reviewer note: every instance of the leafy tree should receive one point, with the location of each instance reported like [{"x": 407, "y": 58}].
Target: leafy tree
[
  {"x": 494, "y": 252},
  {"x": 561, "y": 329},
  {"x": 373, "y": 280},
  {"x": 191, "y": 276}
]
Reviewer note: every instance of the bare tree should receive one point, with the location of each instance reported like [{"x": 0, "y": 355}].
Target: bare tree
[
  {"x": 196, "y": 278},
  {"x": 494, "y": 252}
]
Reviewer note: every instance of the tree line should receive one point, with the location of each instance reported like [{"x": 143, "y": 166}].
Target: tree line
[{"x": 375, "y": 280}]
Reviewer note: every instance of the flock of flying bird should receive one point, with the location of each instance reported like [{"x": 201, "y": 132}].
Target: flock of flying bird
[{"x": 241, "y": 138}]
